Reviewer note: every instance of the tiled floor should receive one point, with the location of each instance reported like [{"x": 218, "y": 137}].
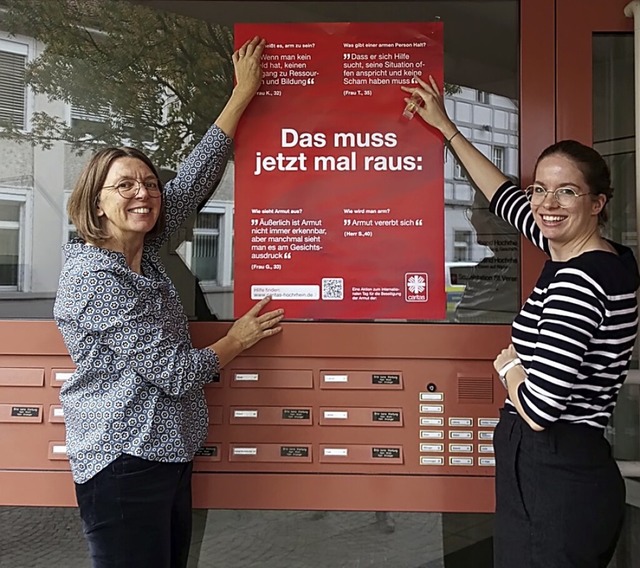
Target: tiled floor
[
  {"x": 49, "y": 537},
  {"x": 34, "y": 538}
]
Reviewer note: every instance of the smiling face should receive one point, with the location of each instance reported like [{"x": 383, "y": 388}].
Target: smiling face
[
  {"x": 569, "y": 226},
  {"x": 128, "y": 220}
]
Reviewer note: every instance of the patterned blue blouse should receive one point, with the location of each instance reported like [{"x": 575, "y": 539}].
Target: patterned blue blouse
[{"x": 138, "y": 384}]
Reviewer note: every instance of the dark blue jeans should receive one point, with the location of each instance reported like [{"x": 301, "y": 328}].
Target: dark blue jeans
[{"x": 137, "y": 514}]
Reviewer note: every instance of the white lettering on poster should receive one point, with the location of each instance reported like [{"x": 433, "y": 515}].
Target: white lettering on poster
[{"x": 349, "y": 162}]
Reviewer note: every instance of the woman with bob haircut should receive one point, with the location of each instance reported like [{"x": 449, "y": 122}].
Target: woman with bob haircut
[
  {"x": 135, "y": 410},
  {"x": 83, "y": 204}
]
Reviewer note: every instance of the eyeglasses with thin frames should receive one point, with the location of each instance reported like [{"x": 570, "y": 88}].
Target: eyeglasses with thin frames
[
  {"x": 129, "y": 188},
  {"x": 564, "y": 196}
]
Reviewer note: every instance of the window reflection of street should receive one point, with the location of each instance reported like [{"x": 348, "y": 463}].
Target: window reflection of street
[{"x": 491, "y": 292}]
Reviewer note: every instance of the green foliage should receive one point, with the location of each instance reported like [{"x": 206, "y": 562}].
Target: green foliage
[
  {"x": 451, "y": 89},
  {"x": 157, "y": 79}
]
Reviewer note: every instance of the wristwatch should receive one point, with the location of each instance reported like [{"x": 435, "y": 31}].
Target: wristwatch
[{"x": 502, "y": 373}]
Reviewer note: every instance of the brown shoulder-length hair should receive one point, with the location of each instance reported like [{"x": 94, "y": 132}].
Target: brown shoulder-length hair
[{"x": 82, "y": 206}]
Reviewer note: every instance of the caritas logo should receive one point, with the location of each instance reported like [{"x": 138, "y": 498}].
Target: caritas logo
[{"x": 416, "y": 287}]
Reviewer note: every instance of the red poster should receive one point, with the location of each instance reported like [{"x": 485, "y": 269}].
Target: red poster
[{"x": 339, "y": 205}]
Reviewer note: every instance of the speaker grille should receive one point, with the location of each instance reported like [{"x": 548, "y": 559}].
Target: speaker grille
[{"x": 475, "y": 389}]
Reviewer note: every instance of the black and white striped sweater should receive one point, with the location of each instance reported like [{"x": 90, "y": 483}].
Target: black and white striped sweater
[{"x": 576, "y": 331}]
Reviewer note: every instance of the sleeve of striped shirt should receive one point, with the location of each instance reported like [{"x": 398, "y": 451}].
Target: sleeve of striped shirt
[
  {"x": 572, "y": 312},
  {"x": 511, "y": 204}
]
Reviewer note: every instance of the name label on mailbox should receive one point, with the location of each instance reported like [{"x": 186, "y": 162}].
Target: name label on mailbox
[
  {"x": 294, "y": 451},
  {"x": 385, "y": 416},
  {"x": 336, "y": 414},
  {"x": 25, "y": 411},
  {"x": 393, "y": 453},
  {"x": 385, "y": 379},
  {"x": 208, "y": 452},
  {"x": 296, "y": 414}
]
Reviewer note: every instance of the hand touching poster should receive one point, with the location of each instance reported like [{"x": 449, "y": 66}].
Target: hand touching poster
[{"x": 339, "y": 196}]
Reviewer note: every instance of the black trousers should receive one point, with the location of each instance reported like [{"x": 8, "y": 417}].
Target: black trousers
[
  {"x": 560, "y": 497},
  {"x": 137, "y": 514}
]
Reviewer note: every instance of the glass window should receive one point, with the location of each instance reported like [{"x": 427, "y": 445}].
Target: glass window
[
  {"x": 87, "y": 122},
  {"x": 162, "y": 110},
  {"x": 206, "y": 246},
  {"x": 10, "y": 212},
  {"x": 462, "y": 240},
  {"x": 166, "y": 93},
  {"x": 12, "y": 240},
  {"x": 79, "y": 114},
  {"x": 498, "y": 157},
  {"x": 615, "y": 138},
  {"x": 12, "y": 87},
  {"x": 102, "y": 122},
  {"x": 9, "y": 255}
]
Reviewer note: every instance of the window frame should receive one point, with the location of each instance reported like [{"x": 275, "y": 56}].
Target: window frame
[
  {"x": 23, "y": 196},
  {"x": 482, "y": 97},
  {"x": 224, "y": 209},
  {"x": 466, "y": 244},
  {"x": 18, "y": 45},
  {"x": 495, "y": 150}
]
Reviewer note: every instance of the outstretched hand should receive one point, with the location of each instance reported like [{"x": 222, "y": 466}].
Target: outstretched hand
[
  {"x": 246, "y": 62},
  {"x": 484, "y": 173},
  {"x": 432, "y": 111},
  {"x": 254, "y": 326}
]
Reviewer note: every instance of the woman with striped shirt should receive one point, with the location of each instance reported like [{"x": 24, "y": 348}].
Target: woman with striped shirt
[{"x": 559, "y": 494}]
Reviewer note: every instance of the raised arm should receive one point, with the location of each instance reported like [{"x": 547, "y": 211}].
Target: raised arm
[
  {"x": 486, "y": 176},
  {"x": 246, "y": 62},
  {"x": 199, "y": 173}
]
